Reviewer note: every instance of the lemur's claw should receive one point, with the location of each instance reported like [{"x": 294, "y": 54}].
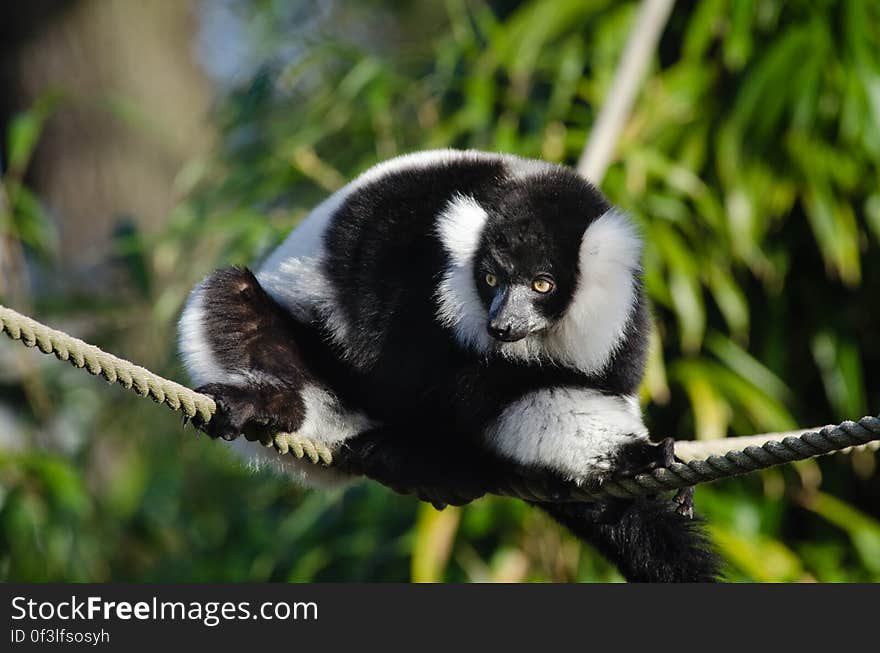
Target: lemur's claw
[
  {"x": 684, "y": 502},
  {"x": 684, "y": 498},
  {"x": 667, "y": 452}
]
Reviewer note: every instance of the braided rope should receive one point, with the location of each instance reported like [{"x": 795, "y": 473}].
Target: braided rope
[
  {"x": 704, "y": 462},
  {"x": 138, "y": 379}
]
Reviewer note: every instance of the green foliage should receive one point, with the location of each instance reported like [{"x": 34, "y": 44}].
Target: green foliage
[
  {"x": 21, "y": 213},
  {"x": 751, "y": 161}
]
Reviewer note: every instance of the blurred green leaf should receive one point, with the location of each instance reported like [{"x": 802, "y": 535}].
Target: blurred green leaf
[
  {"x": 841, "y": 368},
  {"x": 861, "y": 528},
  {"x": 434, "y": 534},
  {"x": 761, "y": 558},
  {"x": 23, "y": 131}
]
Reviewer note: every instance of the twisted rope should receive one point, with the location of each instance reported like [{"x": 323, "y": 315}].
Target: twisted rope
[
  {"x": 138, "y": 379},
  {"x": 704, "y": 460}
]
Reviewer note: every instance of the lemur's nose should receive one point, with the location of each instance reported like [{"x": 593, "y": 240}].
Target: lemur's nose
[{"x": 499, "y": 331}]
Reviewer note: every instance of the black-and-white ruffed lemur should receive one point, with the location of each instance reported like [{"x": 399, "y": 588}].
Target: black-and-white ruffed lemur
[{"x": 443, "y": 317}]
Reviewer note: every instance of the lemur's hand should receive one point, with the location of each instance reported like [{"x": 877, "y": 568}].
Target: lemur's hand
[
  {"x": 644, "y": 457},
  {"x": 647, "y": 457},
  {"x": 240, "y": 411},
  {"x": 234, "y": 410}
]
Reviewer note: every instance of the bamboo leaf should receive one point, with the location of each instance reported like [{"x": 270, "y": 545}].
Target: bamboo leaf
[{"x": 434, "y": 533}]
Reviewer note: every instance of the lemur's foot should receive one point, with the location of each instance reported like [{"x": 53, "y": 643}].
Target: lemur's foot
[
  {"x": 244, "y": 411},
  {"x": 644, "y": 457}
]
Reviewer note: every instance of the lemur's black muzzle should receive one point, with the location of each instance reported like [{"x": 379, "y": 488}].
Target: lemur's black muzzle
[
  {"x": 505, "y": 333},
  {"x": 510, "y": 315}
]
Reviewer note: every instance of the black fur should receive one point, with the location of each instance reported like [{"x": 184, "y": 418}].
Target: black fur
[
  {"x": 385, "y": 260},
  {"x": 647, "y": 539},
  {"x": 255, "y": 337},
  {"x": 422, "y": 463},
  {"x": 408, "y": 372}
]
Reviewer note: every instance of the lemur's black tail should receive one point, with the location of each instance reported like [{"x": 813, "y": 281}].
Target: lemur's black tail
[{"x": 649, "y": 543}]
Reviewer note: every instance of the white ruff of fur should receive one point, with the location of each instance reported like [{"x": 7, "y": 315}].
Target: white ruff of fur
[
  {"x": 595, "y": 322},
  {"x": 593, "y": 326},
  {"x": 573, "y": 431},
  {"x": 459, "y": 228},
  {"x": 459, "y": 307}
]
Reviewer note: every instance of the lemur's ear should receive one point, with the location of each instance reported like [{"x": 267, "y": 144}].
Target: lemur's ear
[{"x": 609, "y": 261}]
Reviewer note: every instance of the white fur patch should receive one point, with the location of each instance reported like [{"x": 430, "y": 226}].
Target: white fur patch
[
  {"x": 573, "y": 431},
  {"x": 294, "y": 275},
  {"x": 327, "y": 420},
  {"x": 459, "y": 227},
  {"x": 594, "y": 325},
  {"x": 519, "y": 168},
  {"x": 198, "y": 356},
  {"x": 425, "y": 159}
]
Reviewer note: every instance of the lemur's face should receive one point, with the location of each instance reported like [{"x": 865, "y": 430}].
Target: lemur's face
[
  {"x": 526, "y": 268},
  {"x": 540, "y": 268},
  {"x": 523, "y": 286}
]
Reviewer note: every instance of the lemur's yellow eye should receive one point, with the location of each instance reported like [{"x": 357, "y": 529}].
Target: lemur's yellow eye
[
  {"x": 542, "y": 285},
  {"x": 491, "y": 280}
]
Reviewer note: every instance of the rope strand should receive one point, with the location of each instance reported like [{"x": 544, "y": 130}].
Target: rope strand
[{"x": 705, "y": 461}]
